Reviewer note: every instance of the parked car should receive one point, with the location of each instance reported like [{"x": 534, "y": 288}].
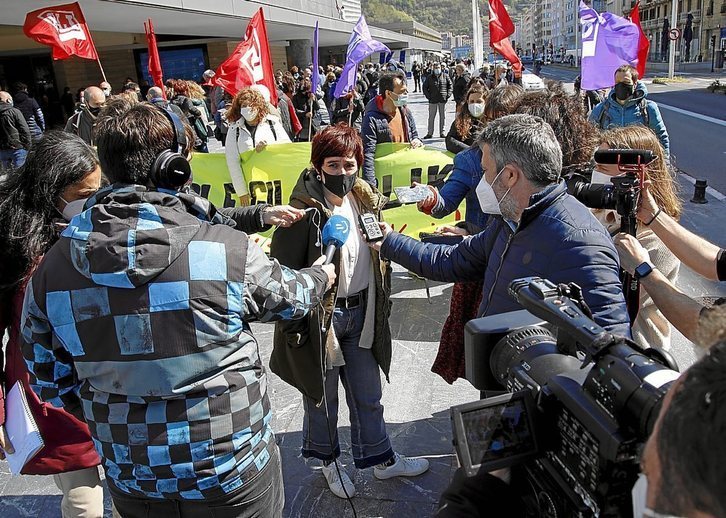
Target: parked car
[{"x": 531, "y": 81}]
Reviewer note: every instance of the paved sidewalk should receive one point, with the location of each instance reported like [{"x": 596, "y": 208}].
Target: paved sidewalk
[{"x": 416, "y": 403}]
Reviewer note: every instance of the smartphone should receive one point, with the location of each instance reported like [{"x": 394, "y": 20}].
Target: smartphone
[{"x": 370, "y": 228}]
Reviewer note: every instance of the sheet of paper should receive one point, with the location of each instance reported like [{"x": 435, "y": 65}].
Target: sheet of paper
[{"x": 21, "y": 429}]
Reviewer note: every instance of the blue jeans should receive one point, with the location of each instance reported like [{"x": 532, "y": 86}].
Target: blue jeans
[
  {"x": 12, "y": 158},
  {"x": 362, "y": 383}
]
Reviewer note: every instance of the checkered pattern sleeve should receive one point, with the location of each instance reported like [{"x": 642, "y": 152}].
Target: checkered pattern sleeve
[
  {"x": 275, "y": 292},
  {"x": 49, "y": 363}
]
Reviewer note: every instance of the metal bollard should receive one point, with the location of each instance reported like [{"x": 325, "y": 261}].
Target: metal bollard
[{"x": 699, "y": 195}]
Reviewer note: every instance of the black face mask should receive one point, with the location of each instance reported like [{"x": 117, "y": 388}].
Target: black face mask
[
  {"x": 623, "y": 91},
  {"x": 339, "y": 184},
  {"x": 94, "y": 111}
]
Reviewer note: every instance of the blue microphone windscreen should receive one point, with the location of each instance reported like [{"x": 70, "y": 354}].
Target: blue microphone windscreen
[{"x": 336, "y": 230}]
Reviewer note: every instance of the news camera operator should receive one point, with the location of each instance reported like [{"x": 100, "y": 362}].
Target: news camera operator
[
  {"x": 682, "y": 473},
  {"x": 650, "y": 328},
  {"x": 703, "y": 257},
  {"x": 137, "y": 320},
  {"x": 538, "y": 229}
]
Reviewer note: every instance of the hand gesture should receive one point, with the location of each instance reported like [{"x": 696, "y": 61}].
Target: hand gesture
[
  {"x": 282, "y": 215},
  {"x": 631, "y": 252},
  {"x": 329, "y": 269},
  {"x": 261, "y": 145}
]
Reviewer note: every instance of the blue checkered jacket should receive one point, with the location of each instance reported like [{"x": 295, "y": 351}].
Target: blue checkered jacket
[{"x": 139, "y": 316}]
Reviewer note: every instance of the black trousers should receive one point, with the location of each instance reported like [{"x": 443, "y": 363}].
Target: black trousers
[{"x": 261, "y": 497}]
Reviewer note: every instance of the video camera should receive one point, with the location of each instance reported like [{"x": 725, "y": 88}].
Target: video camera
[
  {"x": 579, "y": 402},
  {"x": 621, "y": 195}
]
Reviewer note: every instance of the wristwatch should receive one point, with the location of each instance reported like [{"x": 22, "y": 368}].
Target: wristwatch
[{"x": 643, "y": 270}]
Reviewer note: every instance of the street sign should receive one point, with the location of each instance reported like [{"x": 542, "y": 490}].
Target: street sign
[{"x": 674, "y": 34}]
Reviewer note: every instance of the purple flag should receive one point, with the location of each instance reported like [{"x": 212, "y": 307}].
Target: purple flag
[
  {"x": 315, "y": 78},
  {"x": 608, "y": 41},
  {"x": 360, "y": 46}
]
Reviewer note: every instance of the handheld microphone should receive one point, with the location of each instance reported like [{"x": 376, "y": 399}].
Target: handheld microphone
[{"x": 335, "y": 233}]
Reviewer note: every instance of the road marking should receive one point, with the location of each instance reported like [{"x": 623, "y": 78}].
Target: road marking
[
  {"x": 692, "y": 114},
  {"x": 710, "y": 190}
]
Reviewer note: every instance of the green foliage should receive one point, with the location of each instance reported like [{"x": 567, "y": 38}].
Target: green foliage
[{"x": 443, "y": 15}]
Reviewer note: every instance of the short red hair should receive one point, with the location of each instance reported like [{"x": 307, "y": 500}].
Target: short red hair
[{"x": 337, "y": 140}]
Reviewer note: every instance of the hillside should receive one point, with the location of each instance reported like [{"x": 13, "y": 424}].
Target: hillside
[{"x": 442, "y": 15}]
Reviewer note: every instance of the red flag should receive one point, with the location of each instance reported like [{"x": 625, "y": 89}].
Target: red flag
[
  {"x": 250, "y": 63},
  {"x": 500, "y": 28},
  {"x": 154, "y": 61},
  {"x": 63, "y": 28},
  {"x": 643, "y": 43}
]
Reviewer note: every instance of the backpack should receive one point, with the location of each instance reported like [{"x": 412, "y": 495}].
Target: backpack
[{"x": 643, "y": 104}]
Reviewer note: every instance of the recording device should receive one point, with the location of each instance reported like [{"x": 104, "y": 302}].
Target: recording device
[
  {"x": 596, "y": 397},
  {"x": 369, "y": 226},
  {"x": 335, "y": 233},
  {"x": 621, "y": 195}
]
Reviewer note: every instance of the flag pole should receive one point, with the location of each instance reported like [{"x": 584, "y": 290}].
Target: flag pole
[
  {"x": 98, "y": 58},
  {"x": 310, "y": 124}
]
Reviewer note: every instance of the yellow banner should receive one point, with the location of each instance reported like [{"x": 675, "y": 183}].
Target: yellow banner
[{"x": 272, "y": 174}]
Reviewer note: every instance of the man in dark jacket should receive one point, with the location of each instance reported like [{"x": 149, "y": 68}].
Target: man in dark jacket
[
  {"x": 461, "y": 81},
  {"x": 538, "y": 229},
  {"x": 14, "y": 134},
  {"x": 30, "y": 110},
  {"x": 138, "y": 317},
  {"x": 83, "y": 121},
  {"x": 156, "y": 97},
  {"x": 437, "y": 89},
  {"x": 387, "y": 119}
]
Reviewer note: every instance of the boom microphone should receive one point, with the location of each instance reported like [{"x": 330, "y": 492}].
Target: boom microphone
[{"x": 335, "y": 233}]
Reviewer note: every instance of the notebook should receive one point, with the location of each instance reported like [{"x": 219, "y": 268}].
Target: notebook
[{"x": 21, "y": 429}]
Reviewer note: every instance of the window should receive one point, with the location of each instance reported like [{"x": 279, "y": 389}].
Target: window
[
  {"x": 179, "y": 63},
  {"x": 709, "y": 10}
]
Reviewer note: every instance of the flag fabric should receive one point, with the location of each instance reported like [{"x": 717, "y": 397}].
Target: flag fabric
[
  {"x": 500, "y": 29},
  {"x": 608, "y": 41},
  {"x": 360, "y": 46},
  {"x": 63, "y": 28},
  {"x": 643, "y": 42},
  {"x": 154, "y": 61},
  {"x": 250, "y": 63},
  {"x": 316, "y": 74}
]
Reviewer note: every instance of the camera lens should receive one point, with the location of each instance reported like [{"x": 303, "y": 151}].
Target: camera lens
[{"x": 508, "y": 352}]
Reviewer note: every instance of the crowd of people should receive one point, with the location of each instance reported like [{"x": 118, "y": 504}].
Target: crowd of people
[{"x": 127, "y": 298}]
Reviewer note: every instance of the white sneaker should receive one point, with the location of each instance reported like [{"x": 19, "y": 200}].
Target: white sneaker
[
  {"x": 336, "y": 482},
  {"x": 403, "y": 467}
]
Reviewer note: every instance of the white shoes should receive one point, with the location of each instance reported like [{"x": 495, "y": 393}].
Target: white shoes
[
  {"x": 337, "y": 482},
  {"x": 403, "y": 467}
]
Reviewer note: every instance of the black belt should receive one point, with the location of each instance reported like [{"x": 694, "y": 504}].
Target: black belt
[{"x": 352, "y": 301}]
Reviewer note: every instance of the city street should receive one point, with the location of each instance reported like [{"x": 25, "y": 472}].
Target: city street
[{"x": 417, "y": 401}]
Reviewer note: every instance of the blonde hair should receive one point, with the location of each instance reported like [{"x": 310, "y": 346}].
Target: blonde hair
[
  {"x": 195, "y": 91},
  {"x": 663, "y": 186}
]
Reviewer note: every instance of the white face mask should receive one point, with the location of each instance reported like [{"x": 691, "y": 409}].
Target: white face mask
[
  {"x": 249, "y": 114},
  {"x": 487, "y": 197},
  {"x": 476, "y": 110},
  {"x": 600, "y": 178},
  {"x": 639, "y": 497},
  {"x": 72, "y": 208}
]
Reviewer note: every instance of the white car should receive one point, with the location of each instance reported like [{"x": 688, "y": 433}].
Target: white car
[{"x": 531, "y": 81}]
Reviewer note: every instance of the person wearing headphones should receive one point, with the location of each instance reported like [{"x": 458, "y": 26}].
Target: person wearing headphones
[{"x": 137, "y": 321}]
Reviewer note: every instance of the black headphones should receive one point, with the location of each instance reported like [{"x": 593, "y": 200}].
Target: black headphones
[{"x": 171, "y": 170}]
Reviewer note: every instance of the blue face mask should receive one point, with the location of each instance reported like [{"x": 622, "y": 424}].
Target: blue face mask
[{"x": 437, "y": 71}]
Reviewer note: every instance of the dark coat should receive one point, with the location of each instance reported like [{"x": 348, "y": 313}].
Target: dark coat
[
  {"x": 557, "y": 239},
  {"x": 14, "y": 131},
  {"x": 460, "y": 83},
  {"x": 375, "y": 130},
  {"x": 437, "y": 89},
  {"x": 299, "y": 348},
  {"x": 302, "y": 104},
  {"x": 339, "y": 111},
  {"x": 455, "y": 143},
  {"x": 32, "y": 113},
  {"x": 81, "y": 123}
]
